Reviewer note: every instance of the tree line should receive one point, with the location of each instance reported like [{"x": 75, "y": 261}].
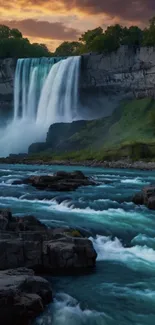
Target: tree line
[
  {"x": 110, "y": 40},
  {"x": 13, "y": 44}
]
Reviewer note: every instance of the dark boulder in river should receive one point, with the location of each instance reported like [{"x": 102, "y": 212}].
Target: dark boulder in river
[
  {"x": 25, "y": 242},
  {"x": 146, "y": 197},
  {"x": 23, "y": 296},
  {"x": 60, "y": 181}
]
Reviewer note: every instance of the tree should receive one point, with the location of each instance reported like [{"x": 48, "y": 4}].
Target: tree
[
  {"x": 12, "y": 44},
  {"x": 132, "y": 36},
  {"x": 68, "y": 49},
  {"x": 4, "y": 32},
  {"x": 149, "y": 34},
  {"x": 88, "y": 37},
  {"x": 15, "y": 33}
]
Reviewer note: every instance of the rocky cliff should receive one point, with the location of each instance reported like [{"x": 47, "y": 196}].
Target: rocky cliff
[
  {"x": 128, "y": 71},
  {"x": 7, "y": 72},
  {"x": 105, "y": 79}
]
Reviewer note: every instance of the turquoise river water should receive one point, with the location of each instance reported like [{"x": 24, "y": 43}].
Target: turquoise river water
[{"x": 121, "y": 291}]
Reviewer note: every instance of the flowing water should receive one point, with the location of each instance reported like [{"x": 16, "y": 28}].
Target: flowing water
[
  {"x": 45, "y": 92},
  {"x": 122, "y": 289}
]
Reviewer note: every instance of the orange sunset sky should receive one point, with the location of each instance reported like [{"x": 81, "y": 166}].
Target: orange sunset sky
[{"x": 54, "y": 21}]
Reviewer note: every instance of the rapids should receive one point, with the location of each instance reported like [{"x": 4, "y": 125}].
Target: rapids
[{"x": 122, "y": 290}]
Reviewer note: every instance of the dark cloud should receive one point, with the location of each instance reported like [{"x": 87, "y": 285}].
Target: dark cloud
[
  {"x": 125, "y": 9},
  {"x": 43, "y": 29}
]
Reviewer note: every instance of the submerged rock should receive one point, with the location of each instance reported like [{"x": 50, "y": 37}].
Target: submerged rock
[
  {"x": 26, "y": 242},
  {"x": 23, "y": 296},
  {"x": 146, "y": 197},
  {"x": 60, "y": 181}
]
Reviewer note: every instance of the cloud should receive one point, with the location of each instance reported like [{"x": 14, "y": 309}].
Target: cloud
[
  {"x": 135, "y": 10},
  {"x": 130, "y": 9},
  {"x": 43, "y": 29}
]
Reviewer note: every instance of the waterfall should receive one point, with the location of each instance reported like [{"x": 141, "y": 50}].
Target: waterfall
[{"x": 45, "y": 92}]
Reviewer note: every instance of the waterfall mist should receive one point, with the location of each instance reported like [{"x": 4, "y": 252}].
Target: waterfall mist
[{"x": 45, "y": 92}]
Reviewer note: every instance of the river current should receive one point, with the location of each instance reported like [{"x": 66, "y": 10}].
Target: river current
[{"x": 121, "y": 291}]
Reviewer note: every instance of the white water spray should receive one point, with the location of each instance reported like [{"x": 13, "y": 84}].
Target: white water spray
[{"x": 45, "y": 92}]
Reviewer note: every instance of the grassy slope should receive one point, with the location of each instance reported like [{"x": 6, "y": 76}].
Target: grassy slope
[{"x": 130, "y": 131}]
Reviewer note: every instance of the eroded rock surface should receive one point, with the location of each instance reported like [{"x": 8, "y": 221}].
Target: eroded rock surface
[
  {"x": 146, "y": 197},
  {"x": 60, "y": 181},
  {"x": 23, "y": 296},
  {"x": 26, "y": 242}
]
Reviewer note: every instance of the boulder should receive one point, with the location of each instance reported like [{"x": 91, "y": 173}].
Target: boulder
[
  {"x": 60, "y": 181},
  {"x": 5, "y": 218},
  {"x": 68, "y": 253},
  {"x": 26, "y": 242},
  {"x": 23, "y": 296},
  {"x": 151, "y": 203},
  {"x": 138, "y": 199},
  {"x": 146, "y": 197}
]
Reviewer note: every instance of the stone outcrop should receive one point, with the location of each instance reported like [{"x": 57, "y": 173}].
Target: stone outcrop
[
  {"x": 129, "y": 70},
  {"x": 59, "y": 137},
  {"x": 146, "y": 197},
  {"x": 60, "y": 181},
  {"x": 23, "y": 296},
  {"x": 105, "y": 79},
  {"x": 7, "y": 74},
  {"x": 25, "y": 242}
]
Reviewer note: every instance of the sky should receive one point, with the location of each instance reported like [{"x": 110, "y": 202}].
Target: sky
[{"x": 53, "y": 21}]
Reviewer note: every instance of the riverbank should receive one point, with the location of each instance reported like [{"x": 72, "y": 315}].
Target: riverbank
[{"x": 123, "y": 163}]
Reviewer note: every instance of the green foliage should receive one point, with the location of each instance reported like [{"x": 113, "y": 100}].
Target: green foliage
[
  {"x": 68, "y": 49},
  {"x": 149, "y": 34},
  {"x": 132, "y": 36},
  {"x": 12, "y": 44},
  {"x": 129, "y": 132},
  {"x": 97, "y": 40}
]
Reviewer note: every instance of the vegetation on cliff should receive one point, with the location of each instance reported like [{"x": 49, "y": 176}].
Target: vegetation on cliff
[
  {"x": 12, "y": 43},
  {"x": 111, "y": 39},
  {"x": 129, "y": 132}
]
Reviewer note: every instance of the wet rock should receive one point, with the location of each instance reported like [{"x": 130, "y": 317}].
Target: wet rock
[
  {"x": 146, "y": 197},
  {"x": 26, "y": 242},
  {"x": 5, "y": 218},
  {"x": 151, "y": 203},
  {"x": 60, "y": 181},
  {"x": 138, "y": 199},
  {"x": 23, "y": 296},
  {"x": 69, "y": 253}
]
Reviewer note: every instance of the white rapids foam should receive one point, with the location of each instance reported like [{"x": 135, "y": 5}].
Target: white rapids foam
[
  {"x": 66, "y": 310},
  {"x": 134, "y": 257}
]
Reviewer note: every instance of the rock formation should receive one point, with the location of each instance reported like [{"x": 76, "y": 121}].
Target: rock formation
[
  {"x": 7, "y": 74},
  {"x": 60, "y": 181},
  {"x": 146, "y": 197},
  {"x": 26, "y": 242},
  {"x": 23, "y": 296}
]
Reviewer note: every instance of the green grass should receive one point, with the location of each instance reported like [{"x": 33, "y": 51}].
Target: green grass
[{"x": 129, "y": 132}]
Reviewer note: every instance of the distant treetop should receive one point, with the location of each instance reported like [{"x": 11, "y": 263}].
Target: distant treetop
[{"x": 13, "y": 44}]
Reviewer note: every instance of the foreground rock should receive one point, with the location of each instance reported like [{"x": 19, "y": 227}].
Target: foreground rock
[
  {"x": 61, "y": 181},
  {"x": 146, "y": 197},
  {"x": 23, "y": 296},
  {"x": 25, "y": 242}
]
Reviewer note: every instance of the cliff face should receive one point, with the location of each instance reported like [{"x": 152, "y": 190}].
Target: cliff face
[
  {"x": 128, "y": 72},
  {"x": 105, "y": 80},
  {"x": 7, "y": 72}
]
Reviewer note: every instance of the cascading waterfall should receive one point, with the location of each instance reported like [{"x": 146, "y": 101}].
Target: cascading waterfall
[{"x": 45, "y": 92}]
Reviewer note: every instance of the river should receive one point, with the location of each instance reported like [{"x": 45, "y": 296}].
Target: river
[{"x": 121, "y": 291}]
